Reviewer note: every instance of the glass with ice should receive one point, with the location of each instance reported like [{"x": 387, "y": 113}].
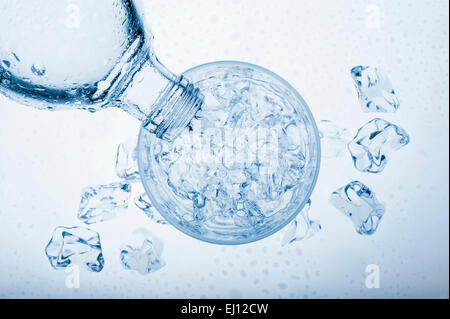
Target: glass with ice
[{"x": 245, "y": 166}]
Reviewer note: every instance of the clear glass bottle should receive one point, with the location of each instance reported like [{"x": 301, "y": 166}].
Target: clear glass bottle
[{"x": 84, "y": 54}]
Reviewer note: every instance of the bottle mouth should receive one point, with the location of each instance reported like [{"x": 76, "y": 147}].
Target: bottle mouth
[{"x": 174, "y": 109}]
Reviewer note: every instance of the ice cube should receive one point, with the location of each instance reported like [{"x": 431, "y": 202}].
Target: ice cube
[
  {"x": 375, "y": 92},
  {"x": 75, "y": 245},
  {"x": 301, "y": 227},
  {"x": 143, "y": 254},
  {"x": 373, "y": 144},
  {"x": 143, "y": 203},
  {"x": 333, "y": 139},
  {"x": 359, "y": 203},
  {"x": 126, "y": 161},
  {"x": 104, "y": 202}
]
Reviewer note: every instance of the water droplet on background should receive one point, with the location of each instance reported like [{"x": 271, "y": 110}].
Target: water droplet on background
[{"x": 38, "y": 69}]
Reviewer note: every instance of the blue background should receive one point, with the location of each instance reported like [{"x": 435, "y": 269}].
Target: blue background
[{"x": 47, "y": 158}]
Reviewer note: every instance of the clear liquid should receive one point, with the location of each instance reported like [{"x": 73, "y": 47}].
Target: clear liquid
[{"x": 65, "y": 54}]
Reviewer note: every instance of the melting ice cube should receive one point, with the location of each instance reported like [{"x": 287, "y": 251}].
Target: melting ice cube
[
  {"x": 375, "y": 92},
  {"x": 126, "y": 160},
  {"x": 301, "y": 227},
  {"x": 143, "y": 254},
  {"x": 359, "y": 203},
  {"x": 103, "y": 202},
  {"x": 373, "y": 144},
  {"x": 143, "y": 203},
  {"x": 333, "y": 139},
  {"x": 75, "y": 245}
]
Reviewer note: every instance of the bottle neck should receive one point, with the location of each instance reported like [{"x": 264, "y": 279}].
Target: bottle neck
[{"x": 164, "y": 102}]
